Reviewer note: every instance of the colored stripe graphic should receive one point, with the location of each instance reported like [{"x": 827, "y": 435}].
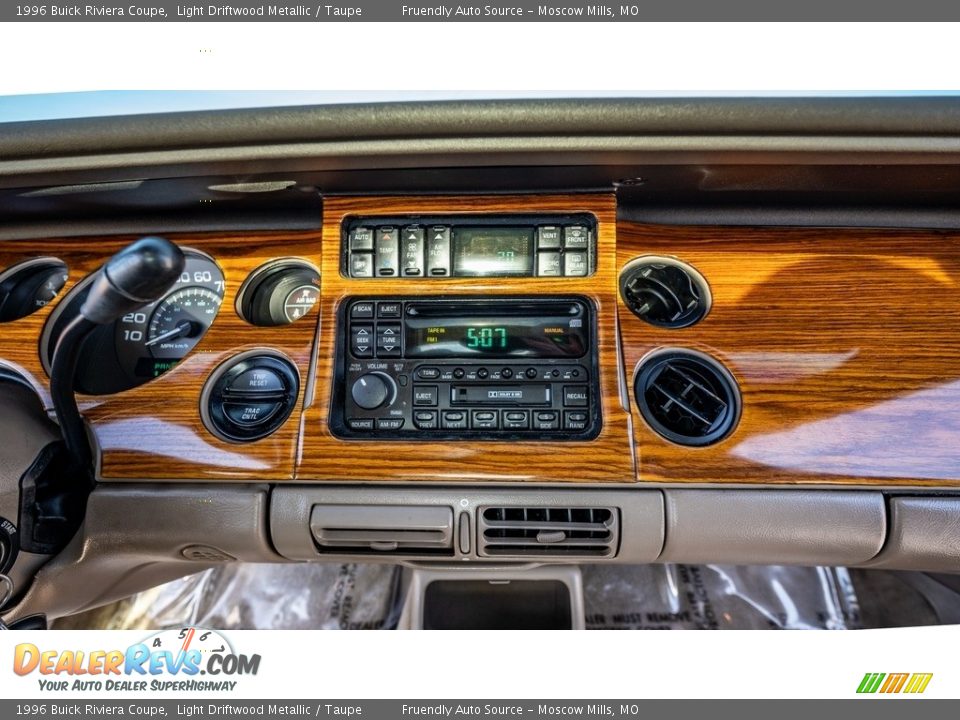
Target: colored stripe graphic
[
  {"x": 918, "y": 682},
  {"x": 871, "y": 682},
  {"x": 913, "y": 683},
  {"x": 894, "y": 683}
]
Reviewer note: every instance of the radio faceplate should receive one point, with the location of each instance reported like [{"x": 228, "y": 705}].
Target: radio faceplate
[{"x": 467, "y": 368}]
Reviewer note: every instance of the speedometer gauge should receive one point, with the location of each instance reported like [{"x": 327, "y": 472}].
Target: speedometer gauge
[
  {"x": 179, "y": 322},
  {"x": 145, "y": 343},
  {"x": 150, "y": 342}
]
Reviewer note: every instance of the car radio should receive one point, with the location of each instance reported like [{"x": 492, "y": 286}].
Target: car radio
[{"x": 497, "y": 368}]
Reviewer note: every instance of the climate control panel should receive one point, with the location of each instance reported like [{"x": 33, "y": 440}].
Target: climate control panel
[{"x": 493, "y": 369}]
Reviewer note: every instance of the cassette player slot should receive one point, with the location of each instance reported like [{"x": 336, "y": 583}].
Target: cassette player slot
[{"x": 532, "y": 394}]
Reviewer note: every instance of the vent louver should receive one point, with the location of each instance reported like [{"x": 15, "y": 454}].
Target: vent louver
[
  {"x": 687, "y": 397},
  {"x": 664, "y": 292},
  {"x": 382, "y": 529},
  {"x": 548, "y": 532}
]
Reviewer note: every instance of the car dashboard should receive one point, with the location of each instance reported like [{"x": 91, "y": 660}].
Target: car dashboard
[{"x": 497, "y": 335}]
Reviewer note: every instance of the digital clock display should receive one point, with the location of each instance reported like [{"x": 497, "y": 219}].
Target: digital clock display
[{"x": 492, "y": 251}]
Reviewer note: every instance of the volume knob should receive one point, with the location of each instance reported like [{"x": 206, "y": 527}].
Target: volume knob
[{"x": 373, "y": 390}]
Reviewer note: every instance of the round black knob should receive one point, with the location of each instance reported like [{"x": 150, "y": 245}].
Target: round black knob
[
  {"x": 373, "y": 390},
  {"x": 664, "y": 292},
  {"x": 279, "y": 293}
]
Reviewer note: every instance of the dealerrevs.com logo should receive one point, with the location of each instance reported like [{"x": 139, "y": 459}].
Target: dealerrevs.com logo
[{"x": 188, "y": 659}]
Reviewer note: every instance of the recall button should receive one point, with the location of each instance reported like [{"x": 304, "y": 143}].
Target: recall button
[{"x": 575, "y": 396}]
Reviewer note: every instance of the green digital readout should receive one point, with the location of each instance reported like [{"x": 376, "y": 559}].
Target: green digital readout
[{"x": 486, "y": 338}]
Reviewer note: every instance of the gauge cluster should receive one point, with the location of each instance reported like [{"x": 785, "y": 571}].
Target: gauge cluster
[
  {"x": 152, "y": 340},
  {"x": 146, "y": 343}
]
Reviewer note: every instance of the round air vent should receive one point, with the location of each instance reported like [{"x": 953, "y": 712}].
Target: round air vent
[
  {"x": 664, "y": 292},
  {"x": 687, "y": 397}
]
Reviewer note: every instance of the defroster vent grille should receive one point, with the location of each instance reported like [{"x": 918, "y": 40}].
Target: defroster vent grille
[{"x": 548, "y": 532}]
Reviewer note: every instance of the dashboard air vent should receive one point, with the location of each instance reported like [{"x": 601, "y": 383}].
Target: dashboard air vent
[
  {"x": 382, "y": 529},
  {"x": 664, "y": 292},
  {"x": 687, "y": 397},
  {"x": 548, "y": 532}
]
